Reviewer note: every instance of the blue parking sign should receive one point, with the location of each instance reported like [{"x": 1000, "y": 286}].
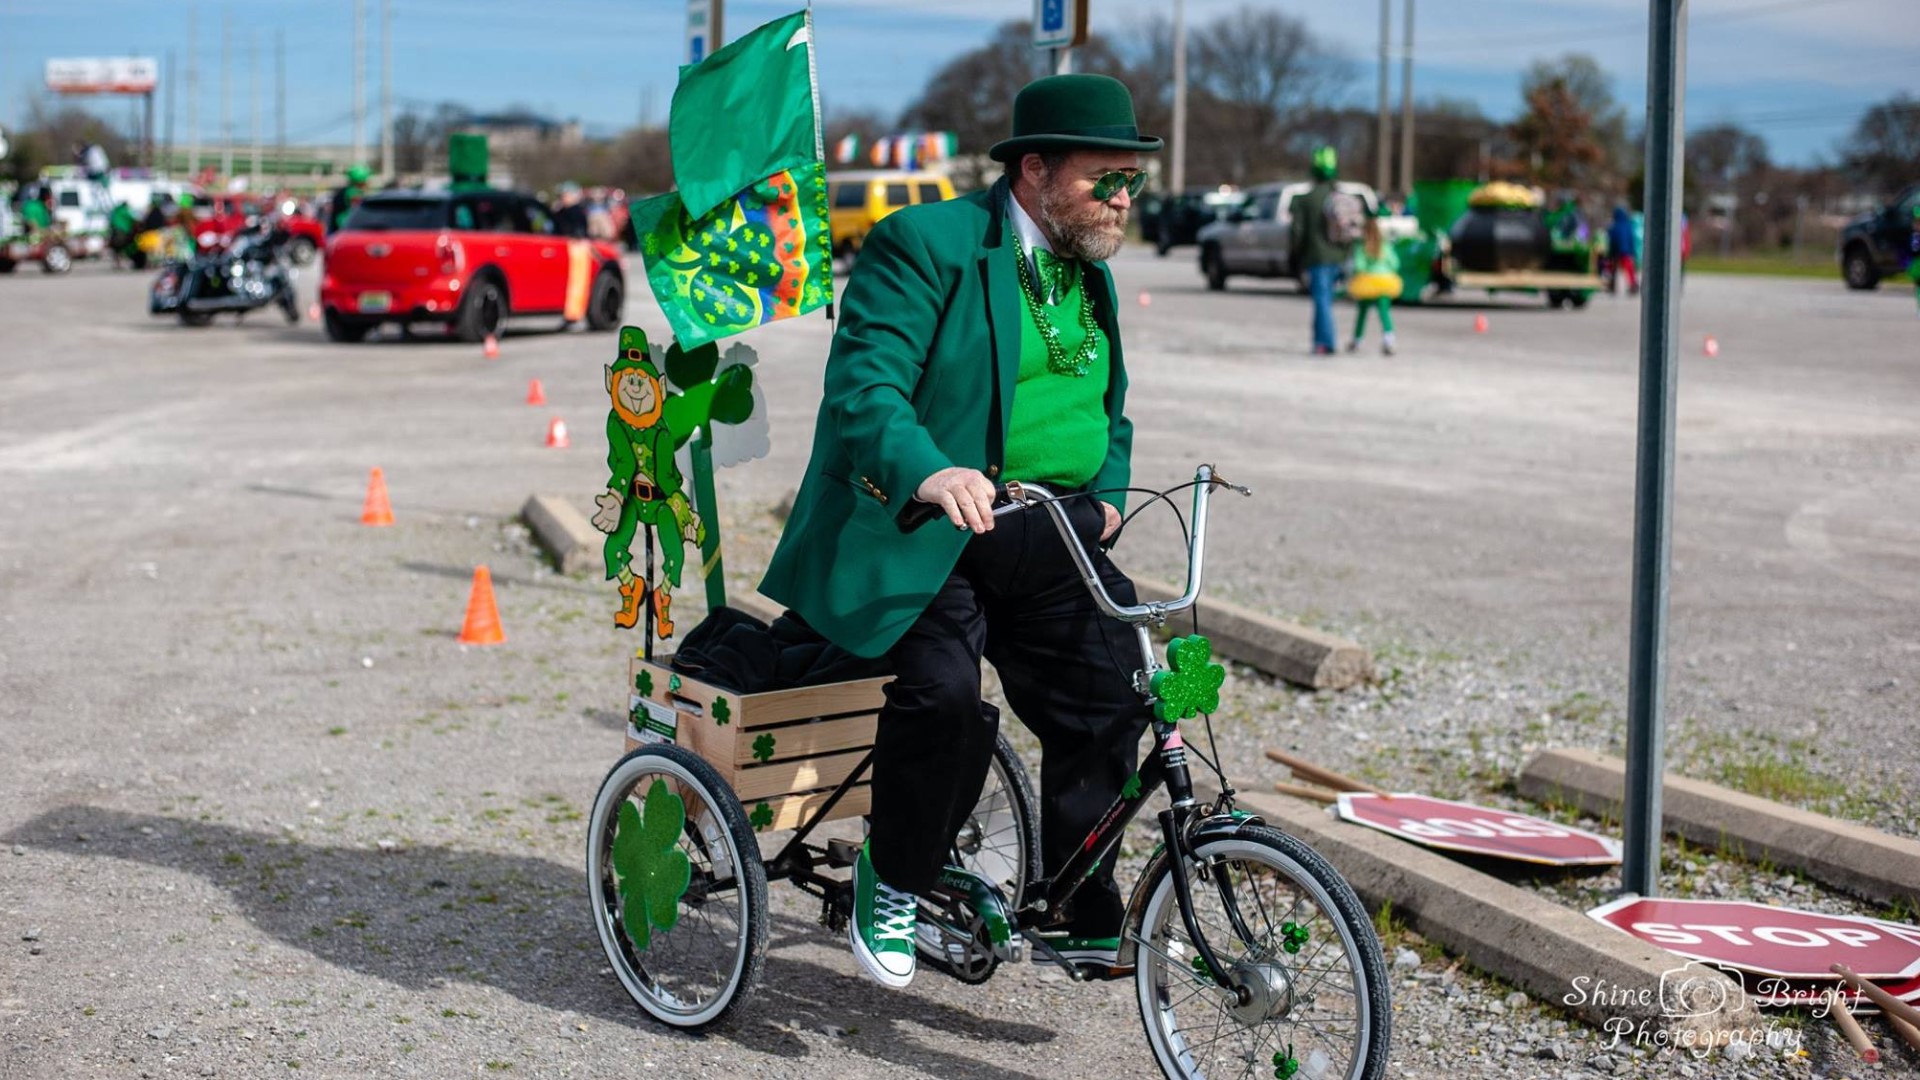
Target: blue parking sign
[
  {"x": 696, "y": 48},
  {"x": 1053, "y": 15}
]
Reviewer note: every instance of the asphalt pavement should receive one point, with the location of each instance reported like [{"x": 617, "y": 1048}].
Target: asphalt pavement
[{"x": 263, "y": 809}]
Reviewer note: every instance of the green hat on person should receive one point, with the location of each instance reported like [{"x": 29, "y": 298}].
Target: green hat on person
[
  {"x": 1326, "y": 163},
  {"x": 357, "y": 174},
  {"x": 1073, "y": 112}
]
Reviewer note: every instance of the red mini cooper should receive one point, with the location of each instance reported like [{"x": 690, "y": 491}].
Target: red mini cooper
[{"x": 466, "y": 261}]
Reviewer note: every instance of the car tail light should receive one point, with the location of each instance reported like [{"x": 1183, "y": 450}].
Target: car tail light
[{"x": 448, "y": 253}]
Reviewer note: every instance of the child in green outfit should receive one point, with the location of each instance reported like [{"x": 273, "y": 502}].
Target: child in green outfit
[{"x": 1375, "y": 283}]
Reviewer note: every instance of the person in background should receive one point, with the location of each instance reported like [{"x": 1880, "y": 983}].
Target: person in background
[
  {"x": 570, "y": 212},
  {"x": 1313, "y": 245},
  {"x": 1623, "y": 251},
  {"x": 36, "y": 210},
  {"x": 346, "y": 198},
  {"x": 1375, "y": 283}
]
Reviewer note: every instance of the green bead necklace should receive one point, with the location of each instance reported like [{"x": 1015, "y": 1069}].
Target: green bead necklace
[{"x": 1058, "y": 361}]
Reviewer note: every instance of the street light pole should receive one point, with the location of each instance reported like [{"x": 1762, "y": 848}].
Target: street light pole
[
  {"x": 1653, "y": 479},
  {"x": 1179, "y": 163},
  {"x": 1383, "y": 137},
  {"x": 386, "y": 91},
  {"x": 359, "y": 82},
  {"x": 1406, "y": 107}
]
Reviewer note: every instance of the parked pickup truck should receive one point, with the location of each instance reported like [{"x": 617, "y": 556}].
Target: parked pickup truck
[
  {"x": 466, "y": 261},
  {"x": 1252, "y": 238},
  {"x": 1879, "y": 244}
]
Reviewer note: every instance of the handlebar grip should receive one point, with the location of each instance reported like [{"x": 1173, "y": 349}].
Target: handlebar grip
[{"x": 919, "y": 513}]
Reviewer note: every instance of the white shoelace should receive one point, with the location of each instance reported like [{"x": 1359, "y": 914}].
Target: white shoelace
[{"x": 893, "y": 914}]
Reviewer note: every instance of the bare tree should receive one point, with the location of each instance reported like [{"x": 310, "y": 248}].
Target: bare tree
[
  {"x": 1884, "y": 149},
  {"x": 1262, "y": 70}
]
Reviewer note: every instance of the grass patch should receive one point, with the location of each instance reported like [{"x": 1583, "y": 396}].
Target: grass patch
[{"x": 1767, "y": 265}]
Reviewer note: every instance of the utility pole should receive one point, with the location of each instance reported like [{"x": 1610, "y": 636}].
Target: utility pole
[
  {"x": 280, "y": 107},
  {"x": 226, "y": 94},
  {"x": 193, "y": 91},
  {"x": 1179, "y": 182},
  {"x": 359, "y": 82},
  {"x": 253, "y": 88},
  {"x": 173, "y": 95},
  {"x": 386, "y": 91},
  {"x": 1406, "y": 107},
  {"x": 1383, "y": 134}
]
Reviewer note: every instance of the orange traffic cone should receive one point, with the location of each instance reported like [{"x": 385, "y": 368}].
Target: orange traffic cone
[
  {"x": 377, "y": 510},
  {"x": 1479, "y": 324},
  {"x": 557, "y": 434},
  {"x": 482, "y": 625},
  {"x": 1712, "y": 346},
  {"x": 536, "y": 394},
  {"x": 491, "y": 349},
  {"x": 313, "y": 311},
  {"x": 1145, "y": 298}
]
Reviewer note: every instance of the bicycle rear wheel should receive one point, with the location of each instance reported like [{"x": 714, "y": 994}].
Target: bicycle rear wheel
[
  {"x": 1292, "y": 931},
  {"x": 678, "y": 891}
]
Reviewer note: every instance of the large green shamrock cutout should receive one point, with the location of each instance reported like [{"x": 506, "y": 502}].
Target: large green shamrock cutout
[
  {"x": 763, "y": 748},
  {"x": 654, "y": 873},
  {"x": 1191, "y": 682}
]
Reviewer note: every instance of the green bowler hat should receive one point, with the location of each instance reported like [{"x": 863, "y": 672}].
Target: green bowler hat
[{"x": 1073, "y": 112}]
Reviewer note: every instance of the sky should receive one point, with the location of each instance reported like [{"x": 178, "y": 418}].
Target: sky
[{"x": 1797, "y": 71}]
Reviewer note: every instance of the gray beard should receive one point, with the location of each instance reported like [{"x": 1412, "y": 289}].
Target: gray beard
[{"x": 1088, "y": 237}]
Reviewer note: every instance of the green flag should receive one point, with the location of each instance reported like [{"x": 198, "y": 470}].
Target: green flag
[
  {"x": 764, "y": 254},
  {"x": 745, "y": 113}
]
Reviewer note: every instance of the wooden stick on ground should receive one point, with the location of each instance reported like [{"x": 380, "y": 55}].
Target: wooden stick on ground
[
  {"x": 1850, "y": 1027},
  {"x": 1301, "y": 791},
  {"x": 1891, "y": 1005},
  {"x": 1907, "y": 1032},
  {"x": 1307, "y": 770}
]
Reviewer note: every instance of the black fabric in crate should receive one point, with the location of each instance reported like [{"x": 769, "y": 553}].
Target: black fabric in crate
[{"x": 735, "y": 651}]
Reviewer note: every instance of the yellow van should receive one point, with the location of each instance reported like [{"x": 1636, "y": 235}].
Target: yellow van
[{"x": 857, "y": 200}]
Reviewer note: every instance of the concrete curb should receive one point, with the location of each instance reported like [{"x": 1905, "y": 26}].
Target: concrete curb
[
  {"x": 1298, "y": 654},
  {"x": 563, "y": 533},
  {"x": 1866, "y": 862},
  {"x": 1557, "y": 955}
]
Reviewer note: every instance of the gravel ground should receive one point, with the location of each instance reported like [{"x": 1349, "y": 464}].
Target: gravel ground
[{"x": 263, "y": 812}]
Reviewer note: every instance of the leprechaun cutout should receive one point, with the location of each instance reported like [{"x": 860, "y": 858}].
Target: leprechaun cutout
[{"x": 649, "y": 421}]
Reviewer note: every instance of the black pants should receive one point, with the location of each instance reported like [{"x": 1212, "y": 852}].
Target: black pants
[{"x": 1066, "y": 669}]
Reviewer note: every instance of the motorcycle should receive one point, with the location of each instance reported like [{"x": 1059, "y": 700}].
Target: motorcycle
[{"x": 251, "y": 273}]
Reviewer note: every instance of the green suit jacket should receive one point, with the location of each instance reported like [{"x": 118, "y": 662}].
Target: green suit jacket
[{"x": 921, "y": 377}]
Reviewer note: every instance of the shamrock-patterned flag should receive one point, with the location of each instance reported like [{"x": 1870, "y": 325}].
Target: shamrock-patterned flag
[
  {"x": 764, "y": 256},
  {"x": 744, "y": 240}
]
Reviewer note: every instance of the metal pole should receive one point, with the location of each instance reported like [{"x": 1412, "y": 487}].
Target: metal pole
[
  {"x": 1383, "y": 135},
  {"x": 388, "y": 164},
  {"x": 173, "y": 95},
  {"x": 1406, "y": 107},
  {"x": 1653, "y": 480},
  {"x": 280, "y": 108},
  {"x": 147, "y": 126},
  {"x": 359, "y": 82},
  {"x": 1179, "y": 164},
  {"x": 193, "y": 92},
  {"x": 226, "y": 94},
  {"x": 1062, "y": 61},
  {"x": 253, "y": 88}
]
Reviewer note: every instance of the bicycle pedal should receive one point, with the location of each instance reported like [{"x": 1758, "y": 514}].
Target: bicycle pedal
[{"x": 843, "y": 853}]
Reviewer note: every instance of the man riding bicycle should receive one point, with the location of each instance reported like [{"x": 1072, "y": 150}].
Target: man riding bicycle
[{"x": 979, "y": 342}]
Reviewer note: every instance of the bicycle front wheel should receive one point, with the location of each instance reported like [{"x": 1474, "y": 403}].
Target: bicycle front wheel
[
  {"x": 678, "y": 890},
  {"x": 1290, "y": 930}
]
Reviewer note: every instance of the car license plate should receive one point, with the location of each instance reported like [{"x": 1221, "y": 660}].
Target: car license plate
[{"x": 375, "y": 301}]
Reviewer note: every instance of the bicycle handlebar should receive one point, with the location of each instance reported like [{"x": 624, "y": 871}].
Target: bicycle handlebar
[{"x": 1021, "y": 496}]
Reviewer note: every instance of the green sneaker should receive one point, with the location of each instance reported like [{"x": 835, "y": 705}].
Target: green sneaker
[
  {"x": 882, "y": 928},
  {"x": 1103, "y": 951}
]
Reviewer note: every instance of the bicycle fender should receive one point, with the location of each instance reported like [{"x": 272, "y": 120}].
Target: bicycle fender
[{"x": 1217, "y": 827}]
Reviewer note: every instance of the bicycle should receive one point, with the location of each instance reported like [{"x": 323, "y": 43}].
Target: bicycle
[{"x": 1250, "y": 955}]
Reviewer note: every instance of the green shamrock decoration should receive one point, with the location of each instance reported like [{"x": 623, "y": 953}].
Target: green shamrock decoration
[
  {"x": 1131, "y": 790},
  {"x": 1201, "y": 969},
  {"x": 1285, "y": 1065},
  {"x": 1292, "y": 936},
  {"x": 673, "y": 683},
  {"x": 643, "y": 682},
  {"x": 654, "y": 873},
  {"x": 721, "y": 714},
  {"x": 1190, "y": 683},
  {"x": 763, "y": 748},
  {"x": 761, "y": 817},
  {"x": 998, "y": 931}
]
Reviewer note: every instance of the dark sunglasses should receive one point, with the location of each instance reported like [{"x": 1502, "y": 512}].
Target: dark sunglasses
[{"x": 1109, "y": 184}]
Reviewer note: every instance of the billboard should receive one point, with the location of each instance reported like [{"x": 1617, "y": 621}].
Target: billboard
[{"x": 103, "y": 75}]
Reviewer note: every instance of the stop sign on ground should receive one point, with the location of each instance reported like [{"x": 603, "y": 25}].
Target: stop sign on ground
[
  {"x": 1787, "y": 942},
  {"x": 1477, "y": 830}
]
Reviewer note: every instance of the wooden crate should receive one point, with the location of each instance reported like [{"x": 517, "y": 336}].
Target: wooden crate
[{"x": 782, "y": 752}]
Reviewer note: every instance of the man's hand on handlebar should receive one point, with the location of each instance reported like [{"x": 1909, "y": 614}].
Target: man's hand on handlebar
[
  {"x": 1110, "y": 520},
  {"x": 966, "y": 495}
]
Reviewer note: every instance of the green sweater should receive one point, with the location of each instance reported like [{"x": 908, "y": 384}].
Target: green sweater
[{"x": 1059, "y": 430}]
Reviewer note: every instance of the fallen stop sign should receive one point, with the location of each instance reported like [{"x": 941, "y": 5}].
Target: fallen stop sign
[
  {"x": 1787, "y": 942},
  {"x": 1458, "y": 826}
]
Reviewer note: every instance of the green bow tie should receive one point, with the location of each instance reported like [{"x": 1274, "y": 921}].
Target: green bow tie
[{"x": 1054, "y": 274}]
